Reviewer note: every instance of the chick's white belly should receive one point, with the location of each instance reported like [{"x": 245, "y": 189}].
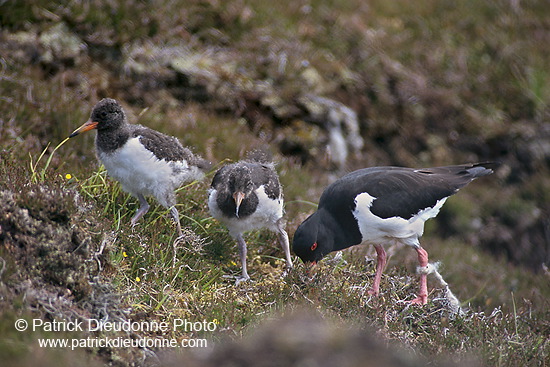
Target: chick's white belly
[{"x": 140, "y": 172}]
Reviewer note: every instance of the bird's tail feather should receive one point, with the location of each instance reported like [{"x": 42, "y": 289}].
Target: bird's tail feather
[{"x": 482, "y": 169}]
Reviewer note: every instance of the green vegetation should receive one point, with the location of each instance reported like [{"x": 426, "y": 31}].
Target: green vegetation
[{"x": 432, "y": 83}]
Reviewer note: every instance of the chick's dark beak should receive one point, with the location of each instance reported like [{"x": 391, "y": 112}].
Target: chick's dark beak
[
  {"x": 90, "y": 125},
  {"x": 238, "y": 197}
]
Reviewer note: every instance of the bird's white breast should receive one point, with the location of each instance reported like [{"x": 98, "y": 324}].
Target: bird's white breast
[
  {"x": 268, "y": 212},
  {"x": 140, "y": 172},
  {"x": 382, "y": 230}
]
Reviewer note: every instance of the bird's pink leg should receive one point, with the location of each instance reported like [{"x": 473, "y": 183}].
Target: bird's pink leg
[
  {"x": 422, "y": 298},
  {"x": 380, "y": 265}
]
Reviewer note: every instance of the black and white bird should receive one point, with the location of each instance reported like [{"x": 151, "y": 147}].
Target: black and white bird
[
  {"x": 247, "y": 195},
  {"x": 144, "y": 161},
  {"x": 382, "y": 205}
]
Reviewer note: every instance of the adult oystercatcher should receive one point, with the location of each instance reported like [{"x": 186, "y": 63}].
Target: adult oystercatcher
[
  {"x": 247, "y": 195},
  {"x": 144, "y": 161},
  {"x": 381, "y": 205}
]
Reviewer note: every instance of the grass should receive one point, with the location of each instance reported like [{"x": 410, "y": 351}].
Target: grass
[
  {"x": 189, "y": 283},
  {"x": 39, "y": 176}
]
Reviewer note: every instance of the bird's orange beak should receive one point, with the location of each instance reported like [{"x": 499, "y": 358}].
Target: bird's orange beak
[
  {"x": 238, "y": 197},
  {"x": 90, "y": 125}
]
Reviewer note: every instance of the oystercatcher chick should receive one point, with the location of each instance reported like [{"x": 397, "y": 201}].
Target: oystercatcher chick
[
  {"x": 382, "y": 205},
  {"x": 144, "y": 161},
  {"x": 247, "y": 195}
]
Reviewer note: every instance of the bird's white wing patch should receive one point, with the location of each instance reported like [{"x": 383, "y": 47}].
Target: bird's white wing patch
[
  {"x": 381, "y": 230},
  {"x": 428, "y": 213}
]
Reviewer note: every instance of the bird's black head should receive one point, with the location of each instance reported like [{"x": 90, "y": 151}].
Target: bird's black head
[
  {"x": 311, "y": 241},
  {"x": 240, "y": 185},
  {"x": 106, "y": 115},
  {"x": 240, "y": 180}
]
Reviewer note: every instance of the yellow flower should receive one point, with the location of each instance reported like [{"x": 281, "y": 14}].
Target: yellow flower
[
  {"x": 124, "y": 254},
  {"x": 233, "y": 263},
  {"x": 68, "y": 176},
  {"x": 215, "y": 321},
  {"x": 138, "y": 279}
]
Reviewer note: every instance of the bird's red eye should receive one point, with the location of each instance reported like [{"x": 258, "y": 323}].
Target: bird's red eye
[{"x": 314, "y": 246}]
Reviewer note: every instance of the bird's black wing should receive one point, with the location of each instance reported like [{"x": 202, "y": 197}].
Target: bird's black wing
[
  {"x": 167, "y": 147},
  {"x": 264, "y": 174},
  {"x": 220, "y": 177},
  {"x": 400, "y": 192},
  {"x": 405, "y": 193}
]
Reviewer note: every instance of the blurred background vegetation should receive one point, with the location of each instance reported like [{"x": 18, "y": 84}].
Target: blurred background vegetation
[{"x": 328, "y": 87}]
